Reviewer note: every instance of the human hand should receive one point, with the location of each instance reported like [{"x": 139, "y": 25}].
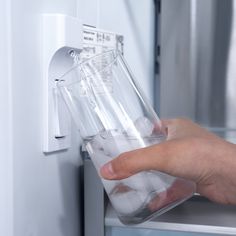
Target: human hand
[{"x": 190, "y": 152}]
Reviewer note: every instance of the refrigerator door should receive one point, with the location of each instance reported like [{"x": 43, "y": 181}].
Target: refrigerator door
[
  {"x": 40, "y": 194},
  {"x": 6, "y": 189},
  {"x": 197, "y": 63}
]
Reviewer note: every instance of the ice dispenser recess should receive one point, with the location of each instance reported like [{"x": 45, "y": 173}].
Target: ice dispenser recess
[{"x": 60, "y": 34}]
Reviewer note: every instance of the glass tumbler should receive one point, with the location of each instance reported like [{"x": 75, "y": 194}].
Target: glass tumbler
[{"x": 113, "y": 116}]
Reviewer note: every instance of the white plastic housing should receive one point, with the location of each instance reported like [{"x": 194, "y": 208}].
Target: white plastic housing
[{"x": 60, "y": 34}]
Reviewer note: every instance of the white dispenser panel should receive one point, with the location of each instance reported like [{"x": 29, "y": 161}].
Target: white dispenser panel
[{"x": 61, "y": 35}]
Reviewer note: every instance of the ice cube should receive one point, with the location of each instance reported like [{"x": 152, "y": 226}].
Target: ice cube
[
  {"x": 159, "y": 181},
  {"x": 131, "y": 194},
  {"x": 128, "y": 202},
  {"x": 137, "y": 182},
  {"x": 109, "y": 185},
  {"x": 143, "y": 126},
  {"x": 97, "y": 142},
  {"x": 98, "y": 157},
  {"x": 115, "y": 143},
  {"x": 156, "y": 183}
]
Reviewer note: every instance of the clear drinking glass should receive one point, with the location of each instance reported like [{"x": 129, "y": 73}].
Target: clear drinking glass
[{"x": 113, "y": 116}]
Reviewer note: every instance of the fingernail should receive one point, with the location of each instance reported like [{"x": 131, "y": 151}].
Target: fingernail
[{"x": 107, "y": 171}]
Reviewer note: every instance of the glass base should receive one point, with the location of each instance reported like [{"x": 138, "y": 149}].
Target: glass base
[
  {"x": 145, "y": 214},
  {"x": 160, "y": 203}
]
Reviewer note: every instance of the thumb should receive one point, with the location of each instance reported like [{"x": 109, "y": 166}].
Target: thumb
[{"x": 164, "y": 157}]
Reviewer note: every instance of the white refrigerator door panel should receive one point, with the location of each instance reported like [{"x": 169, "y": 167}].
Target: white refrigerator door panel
[
  {"x": 6, "y": 175},
  {"x": 88, "y": 11},
  {"x": 134, "y": 19},
  {"x": 44, "y": 189}
]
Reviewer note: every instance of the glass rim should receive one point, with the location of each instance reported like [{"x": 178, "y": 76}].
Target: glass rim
[{"x": 74, "y": 67}]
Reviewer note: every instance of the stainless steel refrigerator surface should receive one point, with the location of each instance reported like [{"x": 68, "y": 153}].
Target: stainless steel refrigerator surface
[{"x": 198, "y": 63}]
